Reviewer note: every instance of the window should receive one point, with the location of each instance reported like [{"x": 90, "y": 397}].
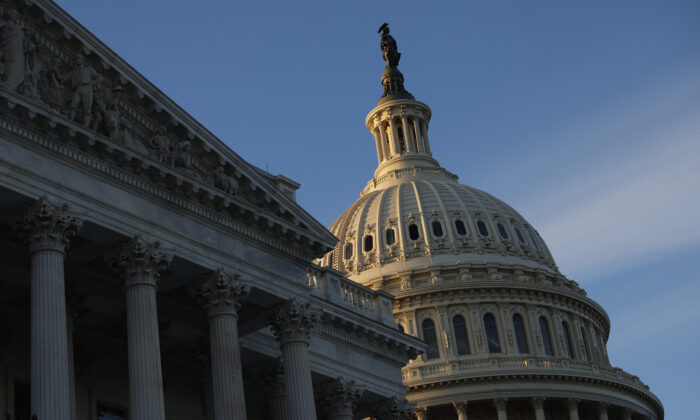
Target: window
[
  {"x": 369, "y": 243},
  {"x": 567, "y": 339},
  {"x": 502, "y": 231},
  {"x": 492, "y": 333},
  {"x": 330, "y": 259},
  {"x": 519, "y": 235},
  {"x": 460, "y": 328},
  {"x": 390, "y": 236},
  {"x": 430, "y": 339},
  {"x": 461, "y": 229},
  {"x": 437, "y": 228},
  {"x": 583, "y": 338},
  {"x": 348, "y": 251},
  {"x": 520, "y": 337},
  {"x": 413, "y": 231},
  {"x": 546, "y": 340},
  {"x": 534, "y": 242},
  {"x": 482, "y": 228}
]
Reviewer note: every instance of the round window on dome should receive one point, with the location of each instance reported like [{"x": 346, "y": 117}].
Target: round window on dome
[
  {"x": 502, "y": 231},
  {"x": 413, "y": 231},
  {"x": 390, "y": 236},
  {"x": 348, "y": 251},
  {"x": 437, "y": 228},
  {"x": 482, "y": 228},
  {"x": 369, "y": 243},
  {"x": 461, "y": 229}
]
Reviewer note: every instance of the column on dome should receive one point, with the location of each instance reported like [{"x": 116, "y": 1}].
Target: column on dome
[
  {"x": 339, "y": 398},
  {"x": 501, "y": 406},
  {"x": 222, "y": 294},
  {"x": 407, "y": 137},
  {"x": 626, "y": 414},
  {"x": 292, "y": 323},
  {"x": 46, "y": 229},
  {"x": 572, "y": 407},
  {"x": 386, "y": 146},
  {"x": 426, "y": 140},
  {"x": 378, "y": 140},
  {"x": 419, "y": 135},
  {"x": 140, "y": 263},
  {"x": 538, "y": 405},
  {"x": 422, "y": 413},
  {"x": 395, "y": 146},
  {"x": 602, "y": 411},
  {"x": 461, "y": 409}
]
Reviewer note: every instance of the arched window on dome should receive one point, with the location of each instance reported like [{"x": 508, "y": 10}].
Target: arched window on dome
[
  {"x": 519, "y": 235},
  {"x": 502, "y": 230},
  {"x": 461, "y": 229},
  {"x": 492, "y": 333},
  {"x": 348, "y": 251},
  {"x": 583, "y": 343},
  {"x": 534, "y": 242},
  {"x": 461, "y": 338},
  {"x": 430, "y": 338},
  {"x": 390, "y": 236},
  {"x": 437, "y": 228},
  {"x": 520, "y": 337},
  {"x": 482, "y": 228},
  {"x": 546, "y": 339},
  {"x": 567, "y": 339},
  {"x": 413, "y": 232},
  {"x": 369, "y": 243}
]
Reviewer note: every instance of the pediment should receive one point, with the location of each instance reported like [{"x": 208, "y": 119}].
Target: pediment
[{"x": 57, "y": 79}]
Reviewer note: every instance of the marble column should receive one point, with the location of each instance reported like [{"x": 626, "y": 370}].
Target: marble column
[
  {"x": 273, "y": 378},
  {"x": 386, "y": 147},
  {"x": 380, "y": 145},
  {"x": 626, "y": 414},
  {"x": 407, "y": 136},
  {"x": 222, "y": 294},
  {"x": 73, "y": 300},
  {"x": 426, "y": 141},
  {"x": 602, "y": 411},
  {"x": 292, "y": 323},
  {"x": 419, "y": 136},
  {"x": 538, "y": 405},
  {"x": 396, "y": 146},
  {"x": 339, "y": 398},
  {"x": 461, "y": 409},
  {"x": 47, "y": 228},
  {"x": 501, "y": 405},
  {"x": 140, "y": 264},
  {"x": 572, "y": 407}
]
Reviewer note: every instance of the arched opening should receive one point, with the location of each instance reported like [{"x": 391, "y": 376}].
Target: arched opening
[
  {"x": 413, "y": 231},
  {"x": 437, "y": 228},
  {"x": 369, "y": 243},
  {"x": 390, "y": 236},
  {"x": 461, "y": 229},
  {"x": 482, "y": 228}
]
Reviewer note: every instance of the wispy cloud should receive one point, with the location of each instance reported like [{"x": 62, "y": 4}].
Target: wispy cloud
[{"x": 638, "y": 204}]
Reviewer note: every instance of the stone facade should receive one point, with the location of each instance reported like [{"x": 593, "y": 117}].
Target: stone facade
[{"x": 148, "y": 272}]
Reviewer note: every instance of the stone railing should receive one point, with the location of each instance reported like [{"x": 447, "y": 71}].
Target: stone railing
[
  {"x": 336, "y": 288},
  {"x": 420, "y": 373}
]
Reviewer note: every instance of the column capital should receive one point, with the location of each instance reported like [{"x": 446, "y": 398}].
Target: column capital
[
  {"x": 627, "y": 413},
  {"x": 47, "y": 226},
  {"x": 460, "y": 406},
  {"x": 572, "y": 403},
  {"x": 422, "y": 413},
  {"x": 139, "y": 261},
  {"x": 339, "y": 395},
  {"x": 293, "y": 321},
  {"x": 221, "y": 293},
  {"x": 603, "y": 408},
  {"x": 538, "y": 403},
  {"x": 500, "y": 403},
  {"x": 394, "y": 409}
]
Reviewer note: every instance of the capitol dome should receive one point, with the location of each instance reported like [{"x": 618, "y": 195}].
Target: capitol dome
[{"x": 508, "y": 335}]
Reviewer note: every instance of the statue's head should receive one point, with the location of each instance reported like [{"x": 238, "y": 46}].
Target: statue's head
[{"x": 384, "y": 29}]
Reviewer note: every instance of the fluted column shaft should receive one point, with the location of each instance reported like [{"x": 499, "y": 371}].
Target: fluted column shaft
[
  {"x": 461, "y": 409},
  {"x": 46, "y": 228},
  {"x": 140, "y": 263},
  {"x": 572, "y": 406},
  {"x": 380, "y": 145},
  {"x": 145, "y": 374},
  {"x": 602, "y": 411},
  {"x": 292, "y": 323},
  {"x": 222, "y": 296},
  {"x": 426, "y": 141},
  {"x": 538, "y": 405},
  {"x": 419, "y": 136},
  {"x": 396, "y": 148},
  {"x": 277, "y": 401},
  {"x": 407, "y": 137},
  {"x": 385, "y": 141}
]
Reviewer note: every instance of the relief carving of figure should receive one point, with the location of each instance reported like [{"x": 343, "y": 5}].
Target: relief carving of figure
[
  {"x": 12, "y": 46},
  {"x": 50, "y": 86},
  {"x": 181, "y": 157},
  {"x": 161, "y": 145},
  {"x": 128, "y": 138},
  {"x": 225, "y": 182},
  {"x": 82, "y": 80},
  {"x": 106, "y": 111},
  {"x": 30, "y": 85}
]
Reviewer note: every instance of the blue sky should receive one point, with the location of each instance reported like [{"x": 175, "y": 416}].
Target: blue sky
[{"x": 584, "y": 116}]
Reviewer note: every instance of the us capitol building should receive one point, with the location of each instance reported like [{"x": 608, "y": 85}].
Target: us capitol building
[{"x": 148, "y": 272}]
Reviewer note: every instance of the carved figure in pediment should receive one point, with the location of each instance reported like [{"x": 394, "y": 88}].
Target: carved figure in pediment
[
  {"x": 181, "y": 157},
  {"x": 30, "y": 85},
  {"x": 128, "y": 138},
  {"x": 161, "y": 145},
  {"x": 82, "y": 81},
  {"x": 50, "y": 87},
  {"x": 12, "y": 46},
  {"x": 106, "y": 111},
  {"x": 225, "y": 182}
]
